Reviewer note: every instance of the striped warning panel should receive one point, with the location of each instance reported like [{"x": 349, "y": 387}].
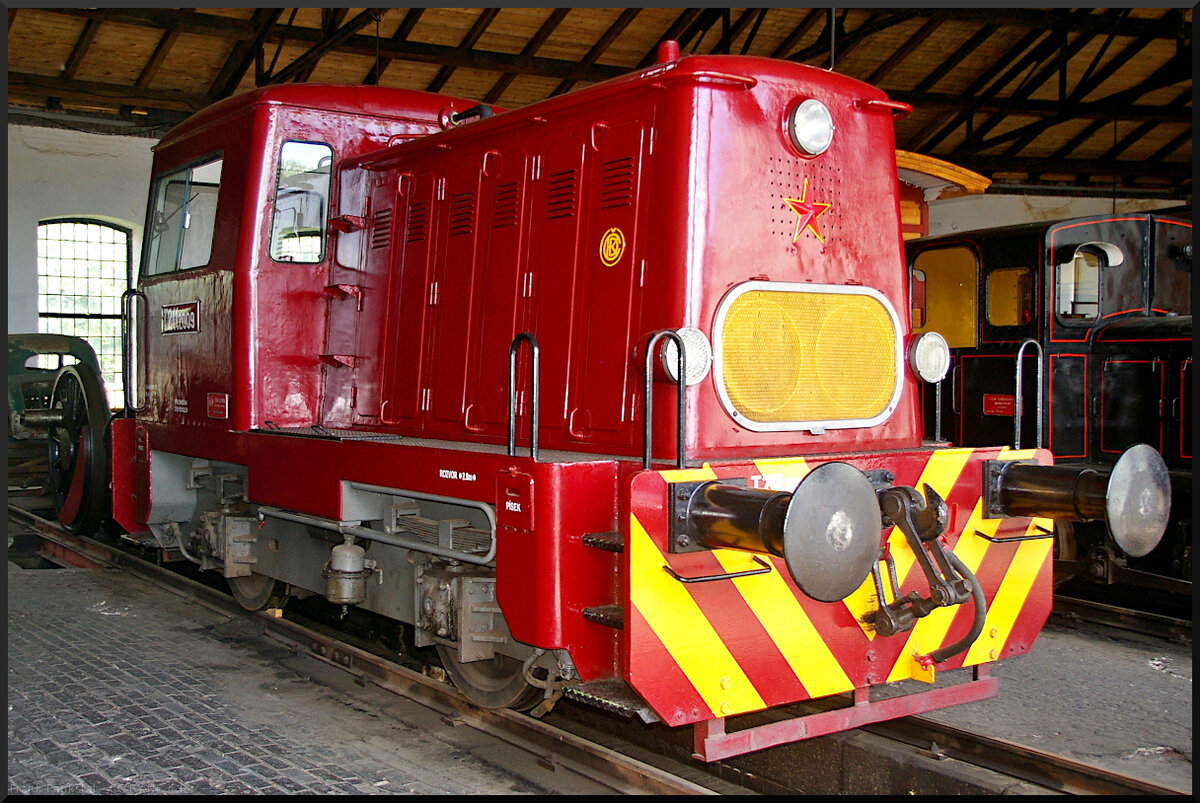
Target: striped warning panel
[{"x": 722, "y": 647}]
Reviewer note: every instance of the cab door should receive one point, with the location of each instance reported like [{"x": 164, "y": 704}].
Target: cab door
[{"x": 187, "y": 282}]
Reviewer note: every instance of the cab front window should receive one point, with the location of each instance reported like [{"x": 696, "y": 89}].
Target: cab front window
[
  {"x": 183, "y": 218},
  {"x": 298, "y": 225}
]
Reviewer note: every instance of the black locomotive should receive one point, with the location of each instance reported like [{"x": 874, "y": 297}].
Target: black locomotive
[{"x": 1075, "y": 335}]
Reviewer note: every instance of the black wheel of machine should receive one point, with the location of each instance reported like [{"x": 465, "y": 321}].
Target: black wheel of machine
[
  {"x": 493, "y": 683},
  {"x": 256, "y": 592},
  {"x": 78, "y": 452}
]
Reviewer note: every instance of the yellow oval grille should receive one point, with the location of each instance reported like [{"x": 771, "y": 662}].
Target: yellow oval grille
[{"x": 808, "y": 357}]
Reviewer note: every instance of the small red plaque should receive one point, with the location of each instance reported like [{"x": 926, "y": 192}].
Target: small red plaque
[
  {"x": 218, "y": 405},
  {"x": 999, "y": 404}
]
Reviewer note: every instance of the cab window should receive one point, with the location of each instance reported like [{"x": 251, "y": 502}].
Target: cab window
[
  {"x": 1010, "y": 297},
  {"x": 301, "y": 202},
  {"x": 1079, "y": 281},
  {"x": 183, "y": 218},
  {"x": 943, "y": 284}
]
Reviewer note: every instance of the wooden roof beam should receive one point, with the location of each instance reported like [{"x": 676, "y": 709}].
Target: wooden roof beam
[
  {"x": 411, "y": 17},
  {"x": 329, "y": 42},
  {"x": 1032, "y": 82},
  {"x": 904, "y": 51},
  {"x": 954, "y": 59},
  {"x": 531, "y": 47},
  {"x": 673, "y": 32},
  {"x": 875, "y": 24},
  {"x": 468, "y": 42},
  {"x": 937, "y": 130},
  {"x": 156, "y": 59},
  {"x": 242, "y": 56},
  {"x": 799, "y": 32},
  {"x": 81, "y": 46},
  {"x": 331, "y": 19},
  {"x": 622, "y": 22},
  {"x": 187, "y": 20}
]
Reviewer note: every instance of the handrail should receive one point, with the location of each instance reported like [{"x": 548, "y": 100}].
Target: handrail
[
  {"x": 1019, "y": 402},
  {"x": 127, "y": 355},
  {"x": 535, "y": 391},
  {"x": 648, "y": 406}
]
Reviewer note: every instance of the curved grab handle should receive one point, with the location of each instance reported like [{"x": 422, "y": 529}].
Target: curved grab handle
[
  {"x": 766, "y": 568},
  {"x": 535, "y": 391},
  {"x": 648, "y": 406},
  {"x": 1018, "y": 395},
  {"x": 127, "y": 347},
  {"x": 898, "y": 109}
]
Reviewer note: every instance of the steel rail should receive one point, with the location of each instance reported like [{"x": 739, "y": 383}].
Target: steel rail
[
  {"x": 553, "y": 748},
  {"x": 1135, "y": 621},
  {"x": 1053, "y": 772},
  {"x": 558, "y": 748}
]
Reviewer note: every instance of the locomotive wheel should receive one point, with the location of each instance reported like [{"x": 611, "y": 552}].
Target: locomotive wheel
[
  {"x": 78, "y": 452},
  {"x": 493, "y": 683},
  {"x": 256, "y": 592}
]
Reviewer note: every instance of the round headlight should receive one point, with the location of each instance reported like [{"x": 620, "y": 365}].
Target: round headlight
[
  {"x": 810, "y": 126},
  {"x": 929, "y": 357},
  {"x": 697, "y": 355}
]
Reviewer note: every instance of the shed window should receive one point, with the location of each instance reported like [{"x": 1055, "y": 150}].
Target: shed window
[{"x": 83, "y": 268}]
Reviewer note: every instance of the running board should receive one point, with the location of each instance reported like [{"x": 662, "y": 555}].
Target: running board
[{"x": 713, "y": 743}]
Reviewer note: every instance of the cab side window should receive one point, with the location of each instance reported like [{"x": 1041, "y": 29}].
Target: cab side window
[
  {"x": 298, "y": 226},
  {"x": 1009, "y": 296},
  {"x": 943, "y": 287},
  {"x": 1077, "y": 289}
]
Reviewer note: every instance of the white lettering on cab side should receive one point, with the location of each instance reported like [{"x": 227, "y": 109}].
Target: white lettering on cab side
[{"x": 451, "y": 474}]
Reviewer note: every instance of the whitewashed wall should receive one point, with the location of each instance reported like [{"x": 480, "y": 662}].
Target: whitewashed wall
[
  {"x": 60, "y": 173},
  {"x": 971, "y": 212}
]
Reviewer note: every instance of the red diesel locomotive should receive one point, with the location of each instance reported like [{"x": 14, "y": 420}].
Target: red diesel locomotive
[{"x": 613, "y": 397}]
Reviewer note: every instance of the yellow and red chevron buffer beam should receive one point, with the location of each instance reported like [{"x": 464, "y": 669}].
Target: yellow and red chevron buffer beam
[{"x": 702, "y": 650}]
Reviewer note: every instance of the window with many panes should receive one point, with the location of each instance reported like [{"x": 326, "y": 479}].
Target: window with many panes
[{"x": 83, "y": 268}]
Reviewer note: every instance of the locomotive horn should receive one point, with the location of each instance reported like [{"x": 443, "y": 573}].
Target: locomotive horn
[
  {"x": 828, "y": 530},
  {"x": 1133, "y": 498}
]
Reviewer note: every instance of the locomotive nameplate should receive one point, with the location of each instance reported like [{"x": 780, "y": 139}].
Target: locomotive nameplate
[{"x": 180, "y": 318}]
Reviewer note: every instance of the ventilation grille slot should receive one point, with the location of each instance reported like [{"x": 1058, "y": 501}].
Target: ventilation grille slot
[
  {"x": 616, "y": 183},
  {"x": 462, "y": 214},
  {"x": 506, "y": 208},
  {"x": 418, "y": 222},
  {"x": 381, "y": 232},
  {"x": 564, "y": 188}
]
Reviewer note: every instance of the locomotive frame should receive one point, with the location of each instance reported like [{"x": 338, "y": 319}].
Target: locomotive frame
[
  {"x": 358, "y": 306},
  {"x": 1103, "y": 366}
]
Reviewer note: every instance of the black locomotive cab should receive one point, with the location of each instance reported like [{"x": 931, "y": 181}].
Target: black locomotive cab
[{"x": 1074, "y": 335}]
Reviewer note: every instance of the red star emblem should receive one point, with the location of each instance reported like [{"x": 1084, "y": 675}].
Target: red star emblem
[{"x": 807, "y": 213}]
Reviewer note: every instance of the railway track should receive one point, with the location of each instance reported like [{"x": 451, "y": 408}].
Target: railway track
[
  {"x": 571, "y": 752},
  {"x": 554, "y": 748}
]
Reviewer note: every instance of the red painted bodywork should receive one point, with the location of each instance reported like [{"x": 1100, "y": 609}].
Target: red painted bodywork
[{"x": 447, "y": 243}]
